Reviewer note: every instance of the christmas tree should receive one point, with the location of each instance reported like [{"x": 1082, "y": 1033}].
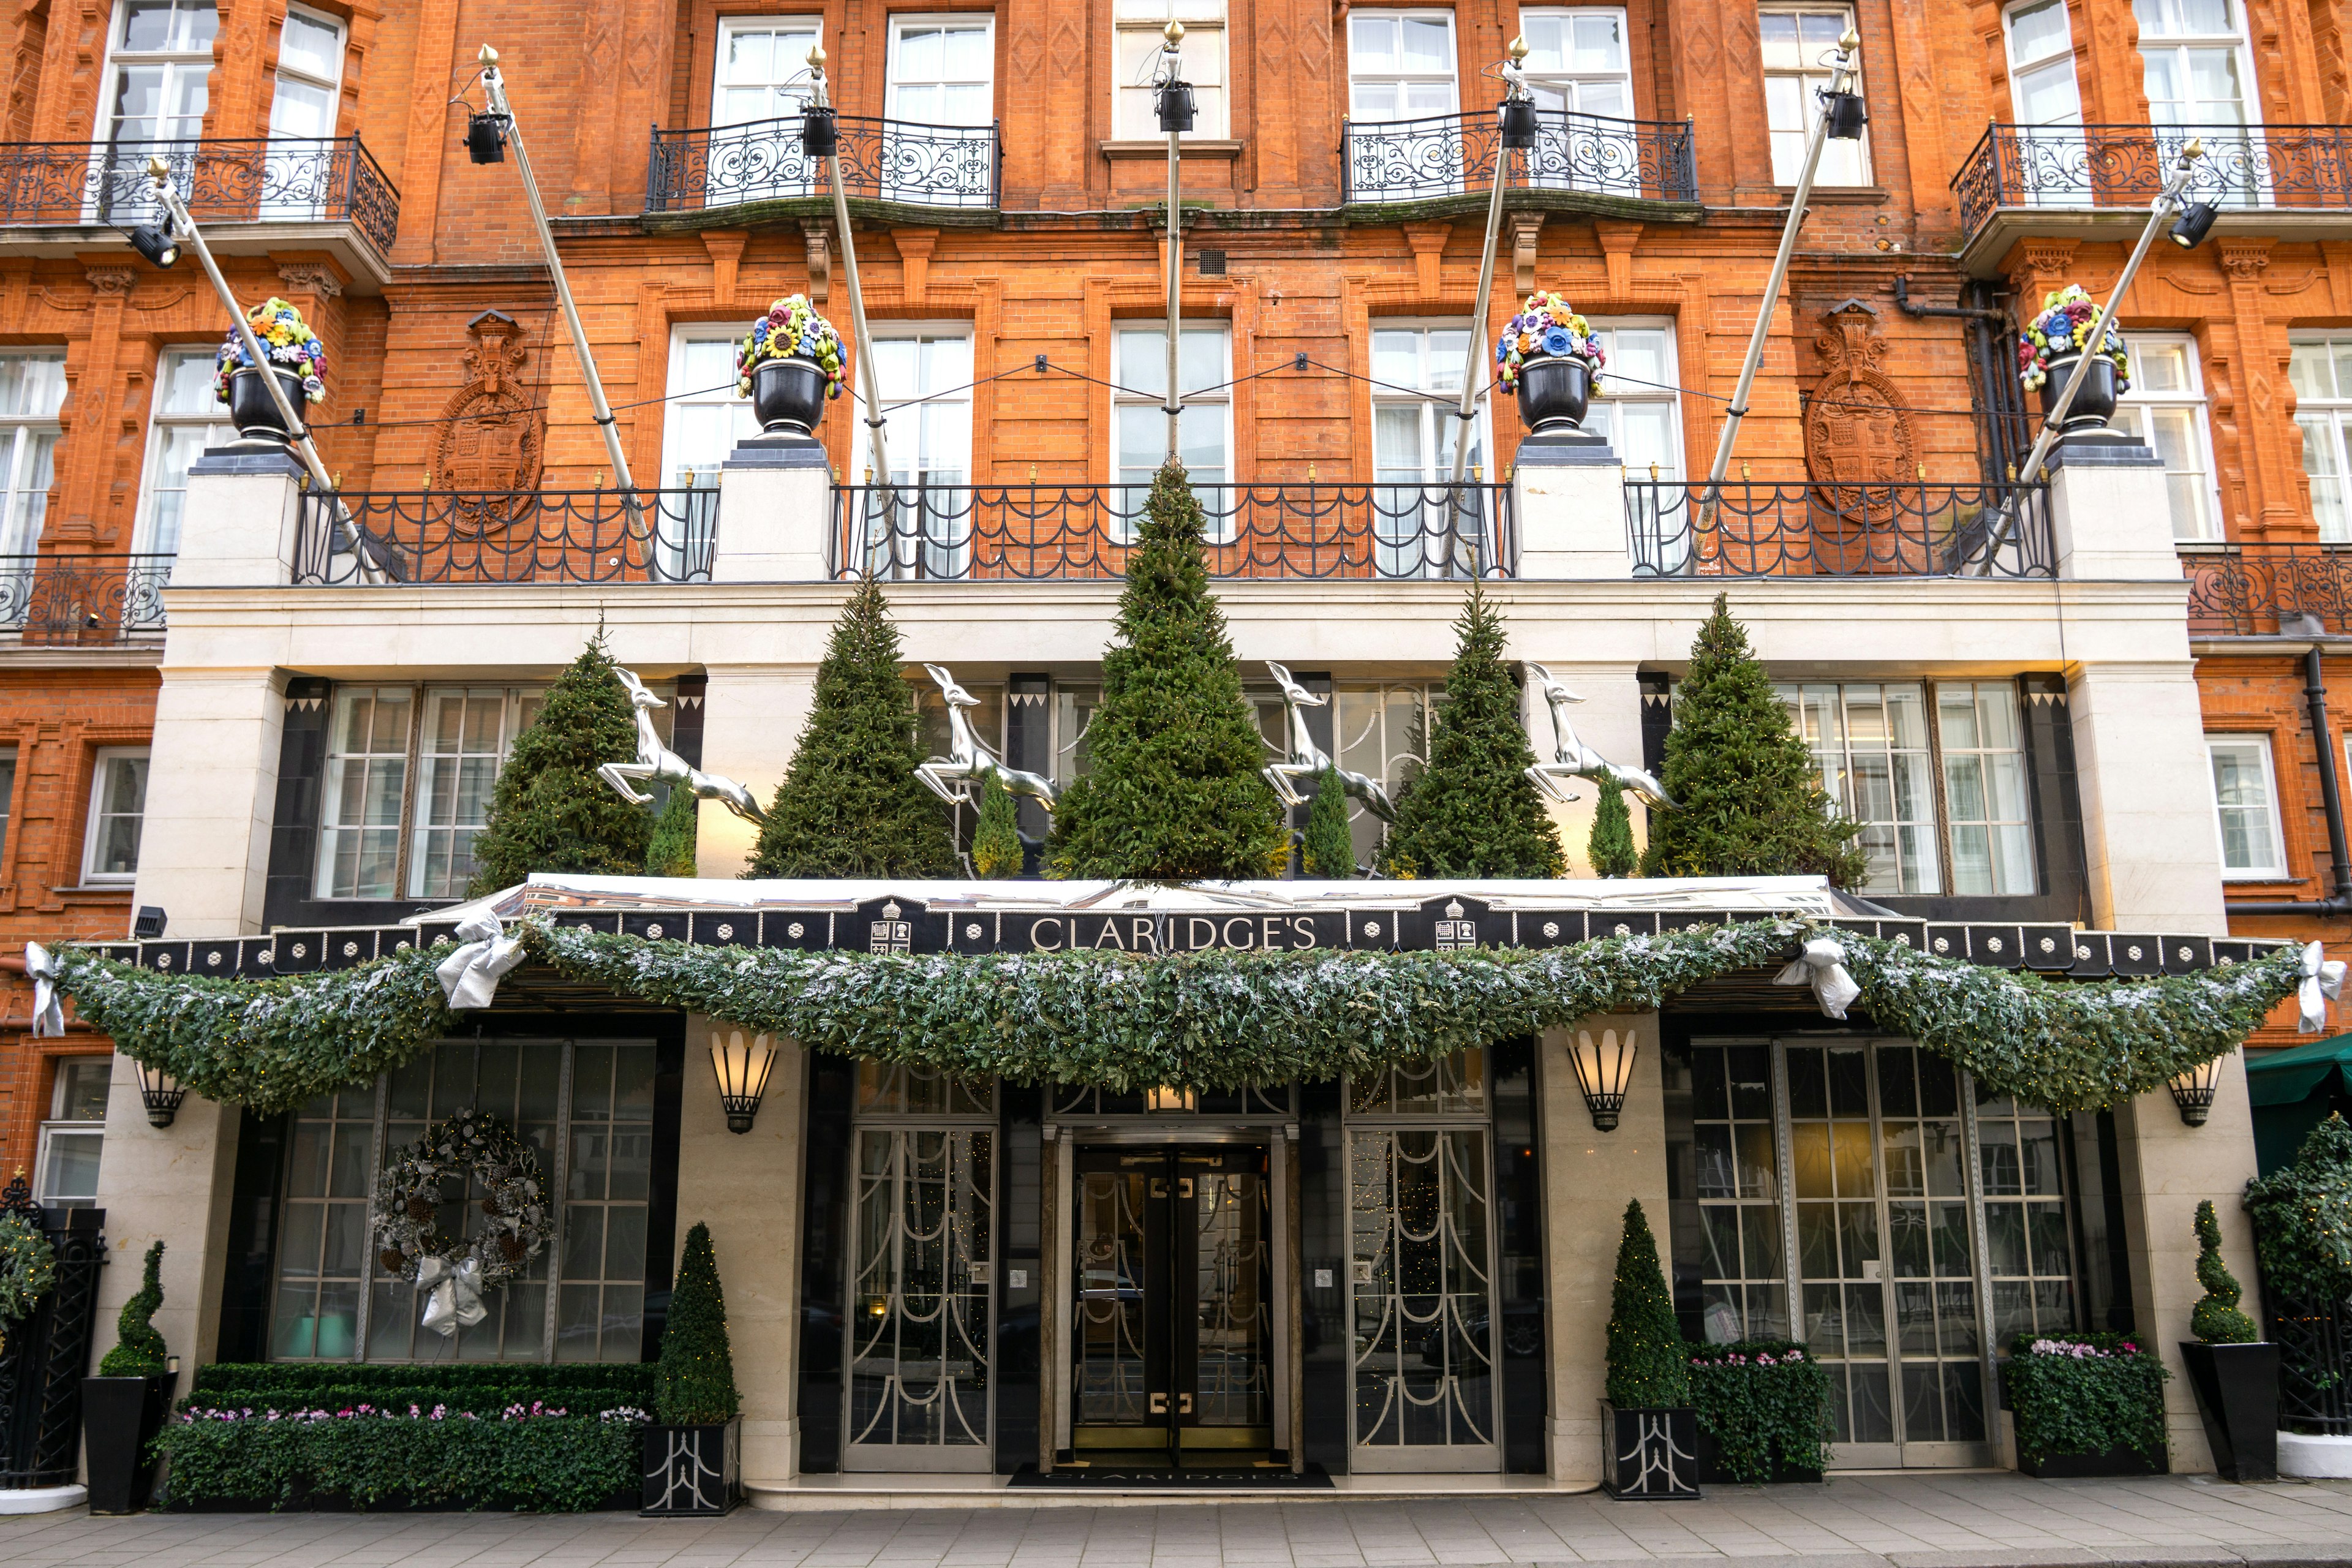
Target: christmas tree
[
  {"x": 671, "y": 851},
  {"x": 996, "y": 838},
  {"x": 137, "y": 1349},
  {"x": 696, "y": 1383},
  {"x": 1472, "y": 811},
  {"x": 1174, "y": 793},
  {"x": 1331, "y": 848},
  {"x": 1610, "y": 847},
  {"x": 1647, "y": 1366},
  {"x": 2216, "y": 1318},
  {"x": 850, "y": 804},
  {"x": 550, "y": 811},
  {"x": 1751, "y": 802}
]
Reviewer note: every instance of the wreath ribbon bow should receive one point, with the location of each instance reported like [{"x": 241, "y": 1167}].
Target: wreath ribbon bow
[
  {"x": 454, "y": 1299},
  {"x": 1822, "y": 965},
  {"x": 48, "y": 1013},
  {"x": 2322, "y": 982},
  {"x": 469, "y": 976}
]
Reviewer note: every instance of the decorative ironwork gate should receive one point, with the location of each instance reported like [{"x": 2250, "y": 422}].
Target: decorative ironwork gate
[{"x": 47, "y": 1353}]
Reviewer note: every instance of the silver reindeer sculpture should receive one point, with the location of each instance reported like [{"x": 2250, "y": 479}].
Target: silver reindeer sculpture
[
  {"x": 657, "y": 762},
  {"x": 1307, "y": 760},
  {"x": 959, "y": 777},
  {"x": 1572, "y": 759}
]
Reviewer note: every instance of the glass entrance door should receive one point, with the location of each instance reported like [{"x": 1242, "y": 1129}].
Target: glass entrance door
[{"x": 1172, "y": 1353}]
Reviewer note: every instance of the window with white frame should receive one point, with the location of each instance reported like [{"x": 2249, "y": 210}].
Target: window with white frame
[
  {"x": 1798, "y": 42},
  {"x": 310, "y": 76},
  {"x": 2166, "y": 409},
  {"x": 185, "y": 418},
  {"x": 1638, "y": 408},
  {"x": 7, "y": 790},
  {"x": 2194, "y": 61},
  {"x": 2041, "y": 87},
  {"x": 1400, "y": 64},
  {"x": 1138, "y": 26},
  {"x": 462, "y": 743},
  {"x": 942, "y": 70},
  {"x": 1413, "y": 444},
  {"x": 118, "y": 800},
  {"x": 702, "y": 421},
  {"x": 1987, "y": 816},
  {"x": 379, "y": 838},
  {"x": 73, "y": 1135},
  {"x": 923, "y": 378},
  {"x": 32, "y": 389},
  {"x": 1140, "y": 420},
  {"x": 762, "y": 67},
  {"x": 2245, "y": 807},
  {"x": 1577, "y": 60},
  {"x": 2320, "y": 370},
  {"x": 159, "y": 66},
  {"x": 367, "y": 779}
]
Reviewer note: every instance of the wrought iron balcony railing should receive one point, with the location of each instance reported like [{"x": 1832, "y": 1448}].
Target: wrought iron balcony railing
[
  {"x": 2251, "y": 166},
  {"x": 81, "y": 599},
  {"x": 277, "y": 180},
  {"x": 887, "y": 159},
  {"x": 1801, "y": 529},
  {"x": 1448, "y": 154},
  {"x": 510, "y": 536},
  {"x": 2246, "y": 590},
  {"x": 968, "y": 532}
]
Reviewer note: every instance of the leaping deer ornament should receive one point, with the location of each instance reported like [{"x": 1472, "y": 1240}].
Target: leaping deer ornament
[
  {"x": 657, "y": 762},
  {"x": 959, "y": 777},
  {"x": 1307, "y": 760},
  {"x": 1572, "y": 759}
]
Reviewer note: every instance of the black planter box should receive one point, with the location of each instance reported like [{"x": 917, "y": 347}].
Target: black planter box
[
  {"x": 1649, "y": 1454},
  {"x": 1711, "y": 1472},
  {"x": 119, "y": 1418},
  {"x": 2238, "y": 1396},
  {"x": 693, "y": 1472},
  {"x": 2084, "y": 1467},
  {"x": 787, "y": 394}
]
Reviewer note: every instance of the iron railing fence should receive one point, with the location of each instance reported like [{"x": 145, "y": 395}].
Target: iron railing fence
[
  {"x": 1036, "y": 531},
  {"x": 510, "y": 536},
  {"x": 2244, "y": 590},
  {"x": 1763, "y": 528},
  {"x": 2314, "y": 1366},
  {"x": 258, "y": 180},
  {"x": 46, "y": 1353},
  {"x": 83, "y": 598},
  {"x": 887, "y": 160},
  {"x": 1449, "y": 155},
  {"x": 2248, "y": 167}
]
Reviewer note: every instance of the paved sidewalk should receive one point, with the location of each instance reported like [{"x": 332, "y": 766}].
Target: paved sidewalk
[{"x": 1864, "y": 1521}]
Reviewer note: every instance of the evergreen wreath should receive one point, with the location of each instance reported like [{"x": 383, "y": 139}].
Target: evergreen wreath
[
  {"x": 29, "y": 1267},
  {"x": 408, "y": 1199}
]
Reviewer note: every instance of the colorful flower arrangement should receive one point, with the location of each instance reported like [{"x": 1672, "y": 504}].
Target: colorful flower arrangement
[
  {"x": 2061, "y": 330},
  {"x": 792, "y": 329},
  {"x": 286, "y": 338},
  {"x": 1544, "y": 328}
]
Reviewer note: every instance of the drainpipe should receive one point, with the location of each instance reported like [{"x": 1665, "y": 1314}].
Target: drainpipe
[
  {"x": 1985, "y": 329},
  {"x": 2331, "y": 800}
]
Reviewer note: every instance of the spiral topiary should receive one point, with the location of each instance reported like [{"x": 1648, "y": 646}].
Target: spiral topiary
[
  {"x": 137, "y": 1349},
  {"x": 2216, "y": 1318}
]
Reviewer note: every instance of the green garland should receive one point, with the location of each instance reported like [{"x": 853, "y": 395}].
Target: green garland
[
  {"x": 1218, "y": 1018},
  {"x": 28, "y": 1268}
]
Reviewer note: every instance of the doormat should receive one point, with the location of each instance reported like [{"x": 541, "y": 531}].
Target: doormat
[{"x": 1105, "y": 1478}]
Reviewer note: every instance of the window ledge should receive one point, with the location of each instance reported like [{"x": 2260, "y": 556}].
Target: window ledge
[
  {"x": 1158, "y": 148},
  {"x": 88, "y": 889},
  {"x": 1842, "y": 195}
]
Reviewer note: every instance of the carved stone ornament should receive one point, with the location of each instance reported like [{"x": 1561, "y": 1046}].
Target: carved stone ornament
[
  {"x": 1858, "y": 433},
  {"x": 491, "y": 436}
]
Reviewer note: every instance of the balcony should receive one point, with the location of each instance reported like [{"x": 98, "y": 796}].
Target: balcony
[
  {"x": 79, "y": 601},
  {"x": 508, "y": 536},
  {"x": 1579, "y": 161},
  {"x": 1801, "y": 529},
  {"x": 1034, "y": 531},
  {"x": 2247, "y": 590},
  {"x": 895, "y": 162},
  {"x": 2091, "y": 179}
]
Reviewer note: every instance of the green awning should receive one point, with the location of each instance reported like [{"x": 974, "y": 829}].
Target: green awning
[{"x": 2287, "y": 1076}]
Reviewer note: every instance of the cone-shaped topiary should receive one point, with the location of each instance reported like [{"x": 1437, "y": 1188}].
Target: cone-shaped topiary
[
  {"x": 1174, "y": 793},
  {"x": 138, "y": 1348},
  {"x": 1610, "y": 847},
  {"x": 2216, "y": 1318},
  {"x": 696, "y": 1385},
  {"x": 1331, "y": 848},
  {"x": 996, "y": 838},
  {"x": 1751, "y": 802},
  {"x": 549, "y": 811},
  {"x": 850, "y": 805},
  {"x": 2302, "y": 1222},
  {"x": 1472, "y": 812},
  {"x": 671, "y": 851},
  {"x": 1647, "y": 1366}
]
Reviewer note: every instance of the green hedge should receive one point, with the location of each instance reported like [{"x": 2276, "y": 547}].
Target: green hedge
[
  {"x": 1762, "y": 1400},
  {"x": 477, "y": 1387},
  {"x": 2085, "y": 1394}
]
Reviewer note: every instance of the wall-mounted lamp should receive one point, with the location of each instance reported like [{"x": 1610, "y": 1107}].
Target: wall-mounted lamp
[
  {"x": 1603, "y": 1072},
  {"x": 2192, "y": 1091},
  {"x": 1169, "y": 1097},
  {"x": 743, "y": 1067},
  {"x": 163, "y": 1094},
  {"x": 149, "y": 923}
]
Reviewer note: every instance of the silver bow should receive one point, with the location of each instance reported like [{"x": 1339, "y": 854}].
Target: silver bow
[
  {"x": 469, "y": 976},
  {"x": 1822, "y": 965},
  {"x": 454, "y": 1296},
  {"x": 2322, "y": 983},
  {"x": 48, "y": 1015}
]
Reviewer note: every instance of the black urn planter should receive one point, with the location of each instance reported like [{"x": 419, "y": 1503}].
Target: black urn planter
[
  {"x": 1649, "y": 1454},
  {"x": 2095, "y": 405},
  {"x": 787, "y": 395},
  {"x": 693, "y": 1472},
  {"x": 251, "y": 409},
  {"x": 119, "y": 1418},
  {"x": 1554, "y": 393},
  {"x": 2238, "y": 1396}
]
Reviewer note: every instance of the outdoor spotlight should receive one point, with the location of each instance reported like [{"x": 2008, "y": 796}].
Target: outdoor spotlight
[
  {"x": 2192, "y": 1091},
  {"x": 1175, "y": 105},
  {"x": 1845, "y": 114},
  {"x": 163, "y": 1094},
  {"x": 148, "y": 922},
  {"x": 1518, "y": 123},
  {"x": 820, "y": 132},
  {"x": 2195, "y": 222},
  {"x": 153, "y": 242},
  {"x": 743, "y": 1069},
  {"x": 485, "y": 137},
  {"x": 1603, "y": 1073}
]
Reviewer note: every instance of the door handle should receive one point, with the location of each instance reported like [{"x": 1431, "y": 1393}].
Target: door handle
[
  {"x": 1159, "y": 1405},
  {"x": 1183, "y": 1186},
  {"x": 1159, "y": 1187},
  {"x": 1183, "y": 1404}
]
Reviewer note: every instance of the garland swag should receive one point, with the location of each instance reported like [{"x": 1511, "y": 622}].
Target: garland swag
[{"x": 1217, "y": 1018}]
